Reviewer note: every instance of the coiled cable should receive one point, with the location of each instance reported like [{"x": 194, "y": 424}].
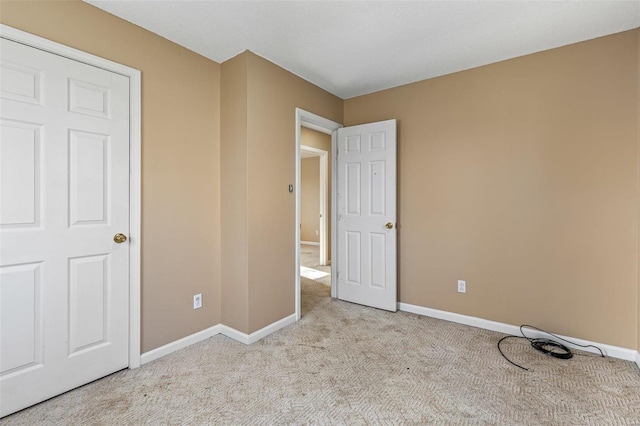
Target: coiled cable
[{"x": 546, "y": 346}]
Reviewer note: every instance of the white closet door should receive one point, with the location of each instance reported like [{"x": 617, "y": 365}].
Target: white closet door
[{"x": 64, "y": 194}]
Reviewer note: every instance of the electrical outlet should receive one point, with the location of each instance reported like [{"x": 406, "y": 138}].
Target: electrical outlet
[
  {"x": 197, "y": 301},
  {"x": 462, "y": 286}
]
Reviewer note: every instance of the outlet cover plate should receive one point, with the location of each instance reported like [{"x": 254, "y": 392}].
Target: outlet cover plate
[
  {"x": 462, "y": 286},
  {"x": 197, "y": 301}
]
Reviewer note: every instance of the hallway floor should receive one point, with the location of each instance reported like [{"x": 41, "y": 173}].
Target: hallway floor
[{"x": 310, "y": 266}]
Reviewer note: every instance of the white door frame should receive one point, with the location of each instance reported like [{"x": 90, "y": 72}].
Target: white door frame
[
  {"x": 323, "y": 213},
  {"x": 324, "y": 125},
  {"x": 28, "y": 39}
]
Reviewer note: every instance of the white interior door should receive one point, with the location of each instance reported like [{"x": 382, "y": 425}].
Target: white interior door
[
  {"x": 366, "y": 214},
  {"x": 64, "y": 193}
]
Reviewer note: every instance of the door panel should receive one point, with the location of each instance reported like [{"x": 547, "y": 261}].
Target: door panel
[
  {"x": 64, "y": 173},
  {"x": 88, "y": 180},
  {"x": 19, "y": 162},
  {"x": 88, "y": 310},
  {"x": 378, "y": 245},
  {"x": 354, "y": 259},
  {"x": 366, "y": 203},
  {"x": 21, "y": 317}
]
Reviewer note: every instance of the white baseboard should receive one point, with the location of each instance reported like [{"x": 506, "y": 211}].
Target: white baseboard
[
  {"x": 248, "y": 339},
  {"x": 609, "y": 350},
  {"x": 232, "y": 333},
  {"x": 310, "y": 243},
  {"x": 179, "y": 344}
]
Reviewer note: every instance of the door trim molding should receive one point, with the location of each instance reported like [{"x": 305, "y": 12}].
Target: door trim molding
[
  {"x": 324, "y": 125},
  {"x": 135, "y": 100}
]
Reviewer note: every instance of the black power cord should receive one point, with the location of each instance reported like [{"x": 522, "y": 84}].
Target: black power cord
[{"x": 546, "y": 346}]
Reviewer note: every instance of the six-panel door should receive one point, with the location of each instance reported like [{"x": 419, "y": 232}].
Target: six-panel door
[
  {"x": 64, "y": 194},
  {"x": 366, "y": 208}
]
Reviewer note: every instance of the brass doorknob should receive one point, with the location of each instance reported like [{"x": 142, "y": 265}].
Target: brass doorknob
[
  {"x": 389, "y": 225},
  {"x": 119, "y": 238}
]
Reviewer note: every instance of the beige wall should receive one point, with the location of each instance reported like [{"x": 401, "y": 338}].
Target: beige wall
[
  {"x": 273, "y": 95},
  {"x": 310, "y": 199},
  {"x": 233, "y": 140},
  {"x": 322, "y": 141},
  {"x": 180, "y": 159},
  {"x": 638, "y": 183},
  {"x": 521, "y": 177},
  {"x": 259, "y": 245}
]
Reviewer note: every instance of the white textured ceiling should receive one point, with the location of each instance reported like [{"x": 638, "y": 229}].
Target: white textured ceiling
[{"x": 351, "y": 48}]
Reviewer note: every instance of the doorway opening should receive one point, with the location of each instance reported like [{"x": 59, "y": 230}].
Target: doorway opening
[
  {"x": 315, "y": 139},
  {"x": 314, "y": 202}
]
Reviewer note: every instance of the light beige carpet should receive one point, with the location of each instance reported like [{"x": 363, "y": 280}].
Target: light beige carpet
[{"x": 348, "y": 364}]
